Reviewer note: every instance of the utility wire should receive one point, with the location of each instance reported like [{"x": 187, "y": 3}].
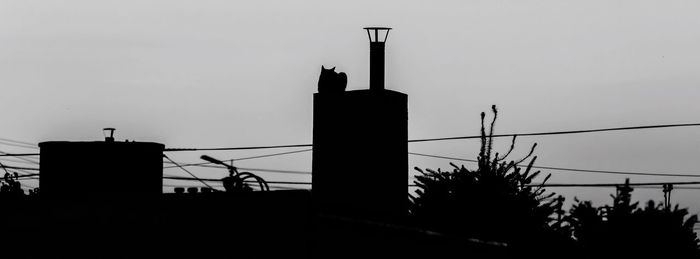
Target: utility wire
[
  {"x": 18, "y": 154},
  {"x": 674, "y": 187},
  {"x": 651, "y": 187},
  {"x": 18, "y": 145},
  {"x": 219, "y": 180},
  {"x": 22, "y": 168},
  {"x": 27, "y": 177},
  {"x": 21, "y": 158},
  {"x": 234, "y": 148},
  {"x": 24, "y": 172},
  {"x": 17, "y": 141},
  {"x": 271, "y": 187},
  {"x": 246, "y": 169},
  {"x": 187, "y": 171},
  {"x": 245, "y": 158},
  {"x": 269, "y": 155},
  {"x": 21, "y": 173},
  {"x": 4, "y": 168},
  {"x": 457, "y": 138},
  {"x": 274, "y": 171},
  {"x": 566, "y": 169},
  {"x": 425, "y": 140},
  {"x": 185, "y": 186},
  {"x": 467, "y": 160},
  {"x": 15, "y": 160},
  {"x": 610, "y": 184},
  {"x": 530, "y": 185},
  {"x": 564, "y": 132}
]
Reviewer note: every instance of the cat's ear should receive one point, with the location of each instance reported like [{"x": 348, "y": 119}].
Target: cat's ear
[
  {"x": 333, "y": 69},
  {"x": 323, "y": 68}
]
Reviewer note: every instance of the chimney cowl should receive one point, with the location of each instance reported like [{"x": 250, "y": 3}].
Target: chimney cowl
[
  {"x": 109, "y": 134},
  {"x": 377, "y": 40}
]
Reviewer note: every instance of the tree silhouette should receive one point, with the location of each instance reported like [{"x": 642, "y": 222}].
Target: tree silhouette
[
  {"x": 496, "y": 202},
  {"x": 10, "y": 185},
  {"x": 624, "y": 230}
]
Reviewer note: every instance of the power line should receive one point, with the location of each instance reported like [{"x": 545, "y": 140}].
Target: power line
[
  {"x": 22, "y": 158},
  {"x": 268, "y": 155},
  {"x": 531, "y": 185},
  {"x": 189, "y": 165},
  {"x": 24, "y": 172},
  {"x": 15, "y": 160},
  {"x": 248, "y": 169},
  {"x": 674, "y": 187},
  {"x": 17, "y": 141},
  {"x": 18, "y": 145},
  {"x": 22, "y": 168},
  {"x": 209, "y": 165},
  {"x": 187, "y": 171},
  {"x": 271, "y": 187},
  {"x": 564, "y": 132},
  {"x": 566, "y": 169},
  {"x": 19, "y": 154},
  {"x": 4, "y": 168},
  {"x": 185, "y": 186},
  {"x": 431, "y": 139},
  {"x": 286, "y": 188},
  {"x": 610, "y": 184},
  {"x": 219, "y": 180},
  {"x": 235, "y": 148},
  {"x": 459, "y": 159},
  {"x": 275, "y": 171},
  {"x": 654, "y": 187},
  {"x": 27, "y": 177},
  {"x": 245, "y": 158},
  {"x": 461, "y": 137}
]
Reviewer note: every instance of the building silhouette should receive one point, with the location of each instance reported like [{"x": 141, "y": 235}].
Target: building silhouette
[
  {"x": 360, "y": 148},
  {"x": 101, "y": 168},
  {"x": 104, "y": 199}
]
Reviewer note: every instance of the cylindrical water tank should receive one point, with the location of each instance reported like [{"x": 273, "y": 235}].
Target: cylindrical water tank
[{"x": 75, "y": 169}]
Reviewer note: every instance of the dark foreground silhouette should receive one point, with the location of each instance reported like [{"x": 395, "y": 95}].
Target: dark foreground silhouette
[
  {"x": 624, "y": 230},
  {"x": 499, "y": 202}
]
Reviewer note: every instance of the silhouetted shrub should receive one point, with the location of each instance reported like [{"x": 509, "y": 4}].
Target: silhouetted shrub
[
  {"x": 496, "y": 202},
  {"x": 624, "y": 230},
  {"x": 10, "y": 186}
]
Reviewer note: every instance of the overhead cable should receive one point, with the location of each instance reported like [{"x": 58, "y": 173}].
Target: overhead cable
[
  {"x": 245, "y": 158},
  {"x": 188, "y": 172},
  {"x": 458, "y": 138},
  {"x": 567, "y": 169}
]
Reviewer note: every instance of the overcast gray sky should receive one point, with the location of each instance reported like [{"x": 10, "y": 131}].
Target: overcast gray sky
[{"x": 241, "y": 73}]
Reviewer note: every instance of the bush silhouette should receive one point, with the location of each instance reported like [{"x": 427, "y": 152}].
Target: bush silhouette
[
  {"x": 625, "y": 231},
  {"x": 496, "y": 202}
]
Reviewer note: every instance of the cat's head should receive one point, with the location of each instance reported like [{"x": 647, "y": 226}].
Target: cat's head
[{"x": 324, "y": 69}]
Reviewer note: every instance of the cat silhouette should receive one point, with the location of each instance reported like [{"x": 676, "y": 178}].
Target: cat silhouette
[{"x": 331, "y": 81}]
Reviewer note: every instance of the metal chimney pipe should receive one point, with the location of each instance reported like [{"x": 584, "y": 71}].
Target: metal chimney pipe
[
  {"x": 377, "y": 40},
  {"x": 376, "y": 65}
]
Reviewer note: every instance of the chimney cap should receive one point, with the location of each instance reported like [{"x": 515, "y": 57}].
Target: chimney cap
[
  {"x": 384, "y": 32},
  {"x": 377, "y": 28},
  {"x": 109, "y": 134}
]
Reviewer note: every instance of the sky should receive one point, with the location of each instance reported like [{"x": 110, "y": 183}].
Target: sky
[{"x": 212, "y": 73}]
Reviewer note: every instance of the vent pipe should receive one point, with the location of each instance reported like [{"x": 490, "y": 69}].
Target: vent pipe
[{"x": 377, "y": 39}]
